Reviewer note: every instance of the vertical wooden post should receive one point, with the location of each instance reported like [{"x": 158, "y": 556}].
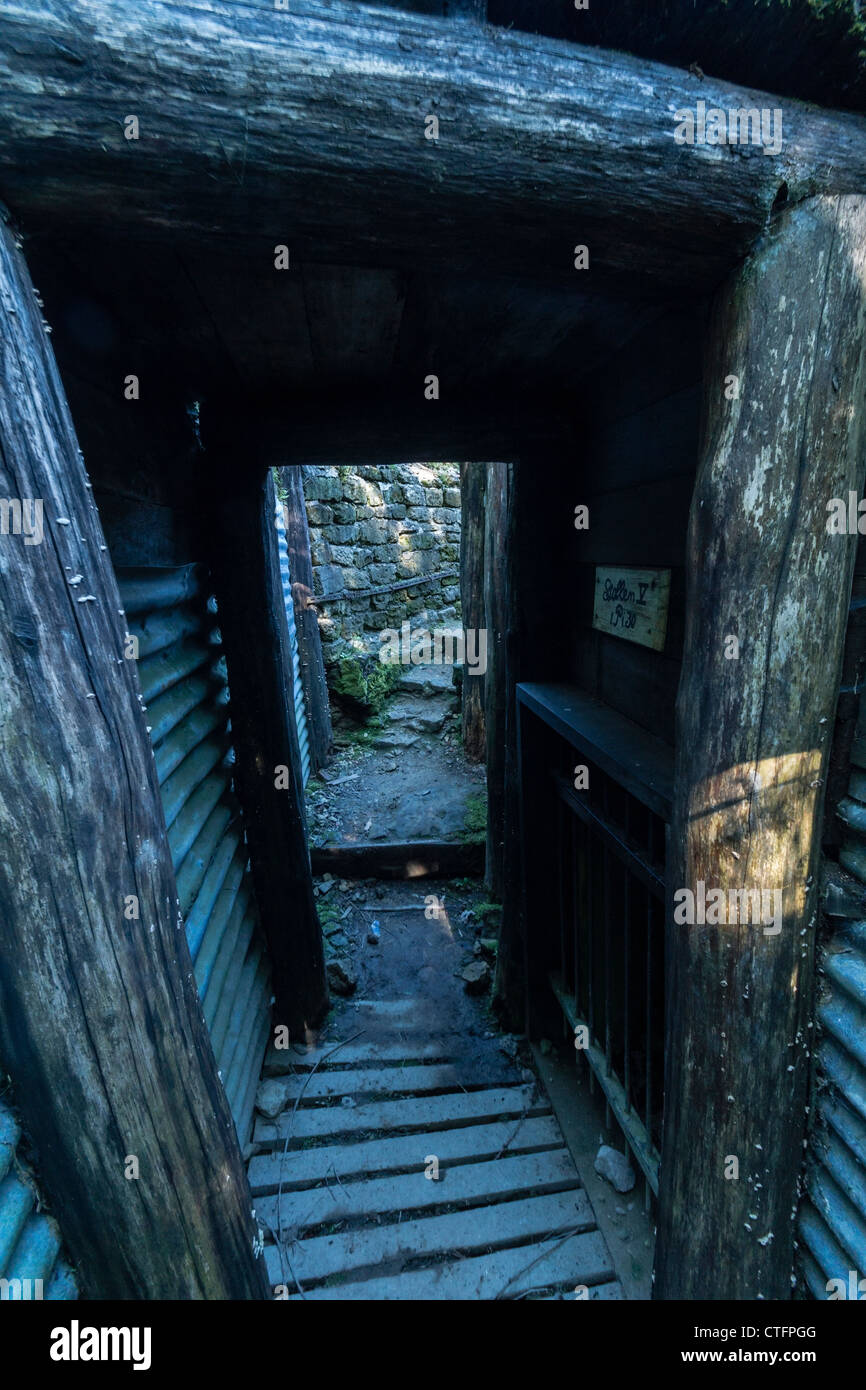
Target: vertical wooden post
[
  {"x": 473, "y": 488},
  {"x": 252, "y": 619},
  {"x": 509, "y": 986},
  {"x": 306, "y": 622},
  {"x": 496, "y": 693},
  {"x": 767, "y": 604},
  {"x": 100, "y": 1023}
]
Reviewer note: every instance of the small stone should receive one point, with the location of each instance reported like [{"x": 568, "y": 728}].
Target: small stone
[
  {"x": 615, "y": 1168},
  {"x": 341, "y": 980},
  {"x": 272, "y": 1098},
  {"x": 509, "y": 1046},
  {"x": 476, "y": 977}
]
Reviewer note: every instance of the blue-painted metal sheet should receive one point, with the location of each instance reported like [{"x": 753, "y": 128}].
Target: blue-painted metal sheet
[
  {"x": 31, "y": 1263},
  {"x": 831, "y": 1224},
  {"x": 188, "y": 708}
]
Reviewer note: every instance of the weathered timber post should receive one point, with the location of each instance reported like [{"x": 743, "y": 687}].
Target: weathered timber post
[
  {"x": 510, "y": 987},
  {"x": 496, "y": 693},
  {"x": 252, "y": 620},
  {"x": 768, "y": 595},
  {"x": 100, "y": 1024},
  {"x": 473, "y": 489},
  {"x": 306, "y": 621}
]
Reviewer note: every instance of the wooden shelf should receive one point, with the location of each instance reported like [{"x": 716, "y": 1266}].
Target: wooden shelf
[{"x": 638, "y": 761}]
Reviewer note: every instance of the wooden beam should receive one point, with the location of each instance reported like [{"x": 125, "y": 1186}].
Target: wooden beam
[
  {"x": 245, "y": 565},
  {"x": 392, "y": 426},
  {"x": 784, "y": 434},
  {"x": 306, "y": 620},
  {"x": 417, "y": 859},
  {"x": 473, "y": 487},
  {"x": 100, "y": 1023},
  {"x": 524, "y": 578},
  {"x": 308, "y": 125},
  {"x": 495, "y": 621}
]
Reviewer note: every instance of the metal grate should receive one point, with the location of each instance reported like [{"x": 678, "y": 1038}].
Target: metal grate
[{"x": 184, "y": 686}]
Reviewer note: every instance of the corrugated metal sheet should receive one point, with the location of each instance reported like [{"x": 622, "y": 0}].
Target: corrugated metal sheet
[
  {"x": 32, "y": 1265},
  {"x": 298, "y": 698},
  {"x": 185, "y": 690},
  {"x": 832, "y": 1218}
]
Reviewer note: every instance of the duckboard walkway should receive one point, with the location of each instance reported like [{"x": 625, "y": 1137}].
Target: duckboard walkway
[{"x": 403, "y": 1165}]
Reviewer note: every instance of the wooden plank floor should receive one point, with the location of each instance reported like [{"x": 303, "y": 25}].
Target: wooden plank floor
[{"x": 345, "y": 1181}]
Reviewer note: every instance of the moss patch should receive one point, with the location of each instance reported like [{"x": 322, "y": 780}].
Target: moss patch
[
  {"x": 363, "y": 684},
  {"x": 475, "y": 819}
]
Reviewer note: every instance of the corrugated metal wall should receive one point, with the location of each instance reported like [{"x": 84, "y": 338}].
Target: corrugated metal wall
[
  {"x": 297, "y": 694},
  {"x": 30, "y": 1247},
  {"x": 185, "y": 692},
  {"x": 832, "y": 1216}
]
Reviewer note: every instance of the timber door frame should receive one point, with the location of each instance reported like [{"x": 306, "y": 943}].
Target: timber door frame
[{"x": 768, "y": 591}]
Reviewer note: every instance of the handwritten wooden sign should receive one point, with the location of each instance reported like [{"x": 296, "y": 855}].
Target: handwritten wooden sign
[{"x": 633, "y": 604}]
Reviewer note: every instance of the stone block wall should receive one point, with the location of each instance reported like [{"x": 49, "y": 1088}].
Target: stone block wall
[{"x": 372, "y": 526}]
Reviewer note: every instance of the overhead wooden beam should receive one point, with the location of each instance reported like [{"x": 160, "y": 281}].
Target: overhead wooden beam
[
  {"x": 767, "y": 605},
  {"x": 308, "y": 127},
  {"x": 101, "y": 1027},
  {"x": 245, "y": 566},
  {"x": 390, "y": 428}
]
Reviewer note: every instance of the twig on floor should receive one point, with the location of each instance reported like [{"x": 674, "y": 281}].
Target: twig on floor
[
  {"x": 337, "y": 1176},
  {"x": 283, "y": 1253},
  {"x": 520, "y": 1123},
  {"x": 307, "y": 1081},
  {"x": 294, "y": 1276},
  {"x": 569, "y": 1235},
  {"x": 538, "y": 1288}
]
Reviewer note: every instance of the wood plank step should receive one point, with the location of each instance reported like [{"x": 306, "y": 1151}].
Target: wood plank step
[
  {"x": 417, "y": 859},
  {"x": 467, "y": 1232},
  {"x": 468, "y": 1184},
  {"x": 583, "y": 1259},
  {"x": 393, "y": 1116},
  {"x": 471, "y": 1144},
  {"x": 286, "y": 1061},
  {"x": 397, "y": 1015},
  {"x": 391, "y": 1081},
  {"x": 598, "y": 1293}
]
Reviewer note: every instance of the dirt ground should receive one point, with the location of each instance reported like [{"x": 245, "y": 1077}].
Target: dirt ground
[
  {"x": 419, "y": 957},
  {"x": 403, "y": 776}
]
